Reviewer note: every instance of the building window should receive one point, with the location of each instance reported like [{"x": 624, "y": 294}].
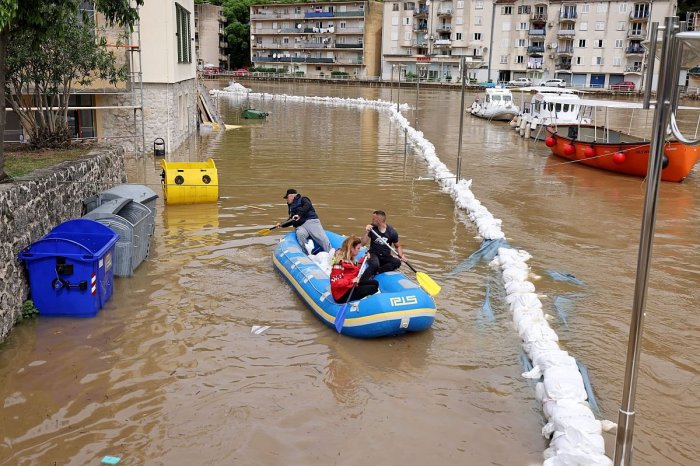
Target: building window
[
  {"x": 524, "y": 10},
  {"x": 597, "y": 60},
  {"x": 619, "y": 43},
  {"x": 584, "y": 26},
  {"x": 601, "y": 7},
  {"x": 620, "y": 25},
  {"x": 579, "y": 60},
  {"x": 479, "y": 5},
  {"x": 598, "y": 43},
  {"x": 506, "y": 10},
  {"x": 477, "y": 36},
  {"x": 521, "y": 43},
  {"x": 460, "y": 4},
  {"x": 623, "y": 8},
  {"x": 477, "y": 20},
  {"x": 582, "y": 43},
  {"x": 520, "y": 59},
  {"x": 504, "y": 58},
  {"x": 184, "y": 35},
  {"x": 395, "y": 7},
  {"x": 585, "y": 8},
  {"x": 617, "y": 61},
  {"x": 458, "y": 36},
  {"x": 599, "y": 26}
]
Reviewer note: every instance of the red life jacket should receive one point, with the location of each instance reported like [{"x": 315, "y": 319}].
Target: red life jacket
[{"x": 342, "y": 274}]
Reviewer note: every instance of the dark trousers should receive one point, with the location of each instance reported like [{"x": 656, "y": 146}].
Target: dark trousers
[
  {"x": 364, "y": 288},
  {"x": 380, "y": 264}
]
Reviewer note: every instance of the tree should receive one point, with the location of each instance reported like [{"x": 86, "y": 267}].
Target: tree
[
  {"x": 48, "y": 73},
  {"x": 36, "y": 16}
]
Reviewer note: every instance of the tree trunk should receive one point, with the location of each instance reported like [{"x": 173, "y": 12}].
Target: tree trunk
[{"x": 3, "y": 47}]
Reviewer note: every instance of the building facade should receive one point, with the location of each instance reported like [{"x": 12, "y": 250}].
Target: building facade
[
  {"x": 588, "y": 44},
  {"x": 209, "y": 38},
  {"x": 317, "y": 39}
]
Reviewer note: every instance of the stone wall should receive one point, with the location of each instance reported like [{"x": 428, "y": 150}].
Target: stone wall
[{"x": 32, "y": 205}]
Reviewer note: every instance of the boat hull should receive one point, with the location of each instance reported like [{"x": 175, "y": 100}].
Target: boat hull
[
  {"x": 679, "y": 158},
  {"x": 400, "y": 307}
]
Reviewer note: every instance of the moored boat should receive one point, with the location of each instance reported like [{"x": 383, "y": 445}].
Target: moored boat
[
  {"x": 252, "y": 114},
  {"x": 497, "y": 105},
  {"x": 547, "y": 106},
  {"x": 615, "y": 151},
  {"x": 401, "y": 306}
]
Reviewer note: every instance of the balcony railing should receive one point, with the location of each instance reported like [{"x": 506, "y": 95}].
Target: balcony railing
[
  {"x": 567, "y": 16},
  {"x": 293, "y": 60},
  {"x": 565, "y": 51},
  {"x": 420, "y": 43},
  {"x": 537, "y": 32},
  {"x": 633, "y": 69},
  {"x": 639, "y": 15},
  {"x": 566, "y": 32},
  {"x": 423, "y": 11},
  {"x": 635, "y": 50},
  {"x": 563, "y": 66},
  {"x": 534, "y": 66},
  {"x": 444, "y": 12},
  {"x": 420, "y": 26},
  {"x": 356, "y": 30},
  {"x": 443, "y": 42},
  {"x": 348, "y": 46},
  {"x": 535, "y": 49},
  {"x": 444, "y": 28},
  {"x": 538, "y": 17},
  {"x": 637, "y": 33}
]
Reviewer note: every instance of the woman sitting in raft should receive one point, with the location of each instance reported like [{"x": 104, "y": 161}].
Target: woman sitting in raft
[{"x": 345, "y": 270}]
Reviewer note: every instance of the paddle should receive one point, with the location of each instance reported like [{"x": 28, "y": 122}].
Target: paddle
[
  {"x": 424, "y": 280},
  {"x": 340, "y": 318},
  {"x": 266, "y": 231}
]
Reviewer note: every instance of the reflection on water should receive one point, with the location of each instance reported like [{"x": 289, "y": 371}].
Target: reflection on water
[{"x": 170, "y": 373}]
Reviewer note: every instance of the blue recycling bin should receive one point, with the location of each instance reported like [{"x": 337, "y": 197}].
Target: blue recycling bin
[{"x": 71, "y": 269}]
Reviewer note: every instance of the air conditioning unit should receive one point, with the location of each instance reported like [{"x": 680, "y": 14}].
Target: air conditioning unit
[
  {"x": 550, "y": 24},
  {"x": 551, "y": 55}
]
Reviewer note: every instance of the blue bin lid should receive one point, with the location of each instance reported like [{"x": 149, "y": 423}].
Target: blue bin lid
[{"x": 80, "y": 239}]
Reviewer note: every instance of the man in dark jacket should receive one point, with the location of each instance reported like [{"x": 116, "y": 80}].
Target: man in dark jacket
[
  {"x": 305, "y": 220},
  {"x": 379, "y": 234}
]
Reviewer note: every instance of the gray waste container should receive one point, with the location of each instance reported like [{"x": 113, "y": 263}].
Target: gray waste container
[
  {"x": 129, "y": 219},
  {"x": 137, "y": 192}
]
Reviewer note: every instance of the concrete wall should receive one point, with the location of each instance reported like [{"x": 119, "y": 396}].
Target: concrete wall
[{"x": 33, "y": 205}]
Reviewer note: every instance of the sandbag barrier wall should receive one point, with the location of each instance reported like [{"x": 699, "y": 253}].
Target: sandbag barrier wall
[{"x": 30, "y": 206}]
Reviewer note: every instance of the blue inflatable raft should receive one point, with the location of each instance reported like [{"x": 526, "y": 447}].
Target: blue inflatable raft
[{"x": 401, "y": 306}]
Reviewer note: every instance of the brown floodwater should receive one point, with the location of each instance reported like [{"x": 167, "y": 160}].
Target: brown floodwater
[{"x": 170, "y": 373}]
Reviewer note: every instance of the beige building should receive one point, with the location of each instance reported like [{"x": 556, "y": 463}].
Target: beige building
[
  {"x": 209, "y": 39},
  {"x": 317, "y": 39},
  {"x": 588, "y": 44}
]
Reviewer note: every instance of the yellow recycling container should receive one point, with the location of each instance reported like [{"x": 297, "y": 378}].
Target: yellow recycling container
[{"x": 189, "y": 182}]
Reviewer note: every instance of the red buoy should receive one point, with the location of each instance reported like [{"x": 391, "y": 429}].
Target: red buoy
[
  {"x": 589, "y": 151},
  {"x": 550, "y": 141},
  {"x": 569, "y": 149},
  {"x": 619, "y": 157}
]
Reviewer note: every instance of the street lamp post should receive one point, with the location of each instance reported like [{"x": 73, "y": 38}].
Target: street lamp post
[
  {"x": 398, "y": 92},
  {"x": 465, "y": 74},
  {"x": 421, "y": 68}
]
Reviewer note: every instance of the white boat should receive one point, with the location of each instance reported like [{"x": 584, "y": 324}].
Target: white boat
[
  {"x": 548, "y": 106},
  {"x": 497, "y": 105}
]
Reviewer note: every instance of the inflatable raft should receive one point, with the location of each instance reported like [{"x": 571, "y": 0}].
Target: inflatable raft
[{"x": 401, "y": 306}]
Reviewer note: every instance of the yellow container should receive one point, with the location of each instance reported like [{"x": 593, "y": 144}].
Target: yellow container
[{"x": 189, "y": 182}]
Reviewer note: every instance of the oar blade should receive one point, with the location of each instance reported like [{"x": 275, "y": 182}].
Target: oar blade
[
  {"x": 264, "y": 232},
  {"x": 340, "y": 318},
  {"x": 427, "y": 283}
]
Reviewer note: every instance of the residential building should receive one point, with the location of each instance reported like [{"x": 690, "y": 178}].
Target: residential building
[
  {"x": 588, "y": 44},
  {"x": 159, "y": 98},
  {"x": 317, "y": 39},
  {"x": 209, "y": 39}
]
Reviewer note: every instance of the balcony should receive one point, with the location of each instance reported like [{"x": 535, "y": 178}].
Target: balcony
[
  {"x": 444, "y": 12},
  {"x": 565, "y": 51},
  {"x": 538, "y": 17},
  {"x": 421, "y": 12},
  {"x": 638, "y": 50},
  {"x": 565, "y": 16},
  {"x": 534, "y": 66},
  {"x": 318, "y": 14},
  {"x": 566, "y": 32},
  {"x": 535, "y": 50},
  {"x": 642, "y": 16},
  {"x": 537, "y": 32},
  {"x": 348, "y": 46},
  {"x": 633, "y": 69},
  {"x": 443, "y": 43},
  {"x": 345, "y": 14},
  {"x": 443, "y": 28},
  {"x": 269, "y": 59},
  {"x": 563, "y": 66},
  {"x": 420, "y": 26},
  {"x": 637, "y": 34},
  {"x": 419, "y": 43}
]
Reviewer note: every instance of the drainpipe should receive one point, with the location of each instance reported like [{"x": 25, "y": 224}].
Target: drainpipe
[{"x": 493, "y": 21}]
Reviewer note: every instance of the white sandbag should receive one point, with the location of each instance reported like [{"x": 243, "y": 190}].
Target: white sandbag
[
  {"x": 527, "y": 314},
  {"x": 564, "y": 383},
  {"x": 525, "y": 300},
  {"x": 520, "y": 287},
  {"x": 554, "y": 359},
  {"x": 538, "y": 347},
  {"x": 511, "y": 274}
]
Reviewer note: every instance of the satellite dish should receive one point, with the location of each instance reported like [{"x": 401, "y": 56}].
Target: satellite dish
[
  {"x": 298, "y": 26},
  {"x": 485, "y": 49},
  {"x": 252, "y": 37},
  {"x": 553, "y": 45},
  {"x": 426, "y": 36}
]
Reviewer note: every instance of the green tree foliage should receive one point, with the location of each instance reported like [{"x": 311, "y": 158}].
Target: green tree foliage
[
  {"x": 36, "y": 16},
  {"x": 66, "y": 56}
]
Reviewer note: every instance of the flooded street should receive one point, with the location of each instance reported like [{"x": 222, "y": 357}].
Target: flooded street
[{"x": 170, "y": 373}]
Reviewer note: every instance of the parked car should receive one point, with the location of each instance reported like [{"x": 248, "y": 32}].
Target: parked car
[
  {"x": 554, "y": 83},
  {"x": 623, "y": 86},
  {"x": 520, "y": 82},
  {"x": 241, "y": 72}
]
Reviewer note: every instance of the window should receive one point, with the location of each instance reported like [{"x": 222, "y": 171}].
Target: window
[
  {"x": 524, "y": 10},
  {"x": 394, "y": 20},
  {"x": 394, "y": 35},
  {"x": 585, "y": 8},
  {"x": 620, "y": 25},
  {"x": 407, "y": 36},
  {"x": 408, "y": 7},
  {"x": 619, "y": 43},
  {"x": 477, "y": 20},
  {"x": 598, "y": 43},
  {"x": 184, "y": 35},
  {"x": 506, "y": 10},
  {"x": 407, "y": 22},
  {"x": 458, "y": 36},
  {"x": 522, "y": 27},
  {"x": 582, "y": 43},
  {"x": 477, "y": 36},
  {"x": 521, "y": 43},
  {"x": 579, "y": 60},
  {"x": 459, "y": 20},
  {"x": 600, "y": 26},
  {"x": 460, "y": 4},
  {"x": 394, "y": 7},
  {"x": 504, "y": 58},
  {"x": 617, "y": 61},
  {"x": 479, "y": 5},
  {"x": 597, "y": 61},
  {"x": 583, "y": 26},
  {"x": 519, "y": 59},
  {"x": 601, "y": 7}
]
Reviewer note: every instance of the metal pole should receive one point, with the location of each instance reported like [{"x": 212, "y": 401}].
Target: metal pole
[
  {"x": 398, "y": 91},
  {"x": 666, "y": 82},
  {"x": 415, "y": 120},
  {"x": 461, "y": 121}
]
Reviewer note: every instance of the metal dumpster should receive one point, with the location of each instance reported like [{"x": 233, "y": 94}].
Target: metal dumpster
[
  {"x": 129, "y": 219},
  {"x": 71, "y": 268},
  {"x": 137, "y": 192}
]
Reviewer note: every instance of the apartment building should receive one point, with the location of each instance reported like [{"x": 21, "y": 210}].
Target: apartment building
[
  {"x": 317, "y": 39},
  {"x": 209, "y": 39},
  {"x": 588, "y": 44}
]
